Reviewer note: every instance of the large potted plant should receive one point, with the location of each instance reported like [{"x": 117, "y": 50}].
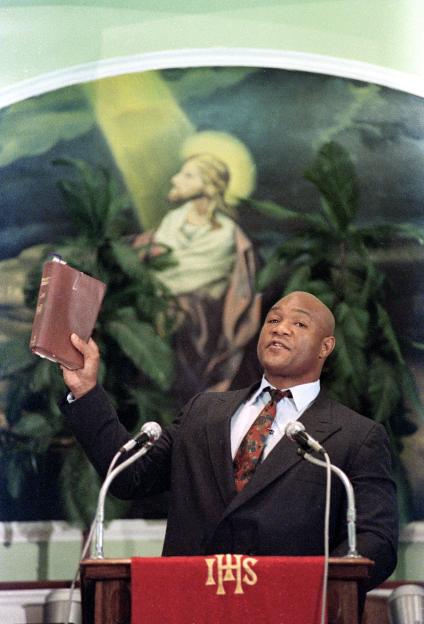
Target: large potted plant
[
  {"x": 133, "y": 332},
  {"x": 330, "y": 254}
]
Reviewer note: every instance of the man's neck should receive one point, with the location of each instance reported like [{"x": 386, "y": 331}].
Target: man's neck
[
  {"x": 200, "y": 211},
  {"x": 289, "y": 382}
]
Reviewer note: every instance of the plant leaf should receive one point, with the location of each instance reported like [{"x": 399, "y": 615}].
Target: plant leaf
[
  {"x": 270, "y": 273},
  {"x": 150, "y": 353},
  {"x": 15, "y": 356},
  {"x": 383, "y": 388},
  {"x": 272, "y": 210},
  {"x": 334, "y": 175},
  {"x": 386, "y": 327},
  {"x": 33, "y": 424},
  {"x": 152, "y": 405}
]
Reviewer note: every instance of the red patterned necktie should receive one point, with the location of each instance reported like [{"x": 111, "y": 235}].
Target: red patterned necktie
[{"x": 251, "y": 448}]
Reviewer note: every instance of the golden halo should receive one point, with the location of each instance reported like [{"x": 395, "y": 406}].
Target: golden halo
[{"x": 233, "y": 153}]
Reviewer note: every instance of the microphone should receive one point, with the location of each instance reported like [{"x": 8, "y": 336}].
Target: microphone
[
  {"x": 295, "y": 431},
  {"x": 150, "y": 432}
]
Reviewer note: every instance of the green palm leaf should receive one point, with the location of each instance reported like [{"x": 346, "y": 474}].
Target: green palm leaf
[
  {"x": 386, "y": 328},
  {"x": 152, "y": 405},
  {"x": 334, "y": 175},
  {"x": 127, "y": 260},
  {"x": 270, "y": 273},
  {"x": 15, "y": 356},
  {"x": 145, "y": 348},
  {"x": 298, "y": 277},
  {"x": 383, "y": 388},
  {"x": 272, "y": 210}
]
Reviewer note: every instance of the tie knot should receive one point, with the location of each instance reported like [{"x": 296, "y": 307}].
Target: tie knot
[{"x": 277, "y": 395}]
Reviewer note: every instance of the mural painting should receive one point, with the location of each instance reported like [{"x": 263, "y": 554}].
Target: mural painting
[{"x": 200, "y": 195}]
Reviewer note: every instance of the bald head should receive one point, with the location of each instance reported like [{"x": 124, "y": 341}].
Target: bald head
[
  {"x": 314, "y": 306},
  {"x": 296, "y": 339}
]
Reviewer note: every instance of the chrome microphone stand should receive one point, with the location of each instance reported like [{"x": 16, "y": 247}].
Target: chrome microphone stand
[
  {"x": 98, "y": 552},
  {"x": 351, "y": 508}
]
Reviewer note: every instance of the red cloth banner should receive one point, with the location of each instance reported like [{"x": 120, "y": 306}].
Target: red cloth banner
[{"x": 226, "y": 588}]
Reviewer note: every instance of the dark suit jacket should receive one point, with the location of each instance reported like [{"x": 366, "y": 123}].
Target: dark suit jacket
[{"x": 281, "y": 510}]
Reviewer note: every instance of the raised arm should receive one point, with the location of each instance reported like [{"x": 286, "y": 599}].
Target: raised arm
[
  {"x": 83, "y": 380},
  {"x": 97, "y": 428}
]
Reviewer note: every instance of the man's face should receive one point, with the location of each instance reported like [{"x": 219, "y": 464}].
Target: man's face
[
  {"x": 295, "y": 340},
  {"x": 187, "y": 184}
]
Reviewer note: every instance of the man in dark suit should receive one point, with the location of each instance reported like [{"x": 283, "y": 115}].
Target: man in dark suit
[{"x": 278, "y": 508}]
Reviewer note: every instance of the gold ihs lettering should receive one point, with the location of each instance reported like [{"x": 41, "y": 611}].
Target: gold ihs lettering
[
  {"x": 210, "y": 580},
  {"x": 250, "y": 577},
  {"x": 229, "y": 568}
]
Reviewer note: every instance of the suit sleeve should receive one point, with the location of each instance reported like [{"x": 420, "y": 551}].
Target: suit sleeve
[
  {"x": 97, "y": 428},
  {"x": 376, "y": 505}
]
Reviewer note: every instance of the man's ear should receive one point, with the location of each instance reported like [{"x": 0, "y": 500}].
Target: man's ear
[{"x": 327, "y": 346}]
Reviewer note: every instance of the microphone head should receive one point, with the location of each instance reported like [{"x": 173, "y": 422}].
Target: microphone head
[
  {"x": 292, "y": 428},
  {"x": 152, "y": 430}
]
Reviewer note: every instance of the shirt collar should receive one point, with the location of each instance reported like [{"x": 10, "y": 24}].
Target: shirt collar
[{"x": 303, "y": 394}]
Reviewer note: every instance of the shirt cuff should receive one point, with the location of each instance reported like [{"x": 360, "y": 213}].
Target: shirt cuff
[{"x": 70, "y": 398}]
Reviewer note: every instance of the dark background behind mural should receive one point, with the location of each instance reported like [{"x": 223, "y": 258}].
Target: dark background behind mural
[{"x": 283, "y": 117}]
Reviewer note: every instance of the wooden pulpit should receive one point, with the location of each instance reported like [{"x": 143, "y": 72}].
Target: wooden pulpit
[{"x": 106, "y": 590}]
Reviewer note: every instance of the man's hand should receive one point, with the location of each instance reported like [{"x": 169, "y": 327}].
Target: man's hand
[{"x": 84, "y": 379}]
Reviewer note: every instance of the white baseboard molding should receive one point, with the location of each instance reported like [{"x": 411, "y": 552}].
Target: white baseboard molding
[
  {"x": 28, "y": 606},
  {"x": 412, "y": 533},
  {"x": 125, "y": 530},
  {"x": 58, "y": 531}
]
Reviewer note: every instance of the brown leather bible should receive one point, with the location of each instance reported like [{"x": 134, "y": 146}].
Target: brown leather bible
[{"x": 68, "y": 302}]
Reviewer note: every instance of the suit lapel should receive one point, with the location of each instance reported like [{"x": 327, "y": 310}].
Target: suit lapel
[
  {"x": 218, "y": 429},
  {"x": 318, "y": 423}
]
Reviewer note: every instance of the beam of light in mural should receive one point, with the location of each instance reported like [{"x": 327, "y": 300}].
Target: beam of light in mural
[{"x": 144, "y": 127}]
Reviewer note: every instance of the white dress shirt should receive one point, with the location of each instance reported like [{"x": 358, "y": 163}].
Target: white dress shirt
[{"x": 287, "y": 409}]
